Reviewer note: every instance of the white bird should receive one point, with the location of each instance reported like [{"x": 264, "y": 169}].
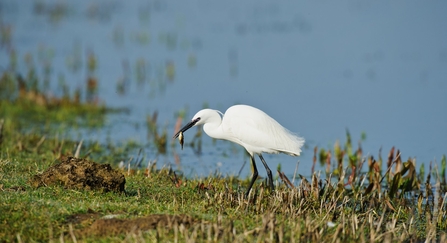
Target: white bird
[{"x": 251, "y": 128}]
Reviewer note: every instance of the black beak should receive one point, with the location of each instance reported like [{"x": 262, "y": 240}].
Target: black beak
[{"x": 187, "y": 126}]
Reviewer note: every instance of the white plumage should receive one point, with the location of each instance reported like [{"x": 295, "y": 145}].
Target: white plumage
[{"x": 251, "y": 128}]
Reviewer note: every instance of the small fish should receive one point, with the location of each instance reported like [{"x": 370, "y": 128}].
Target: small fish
[{"x": 181, "y": 139}]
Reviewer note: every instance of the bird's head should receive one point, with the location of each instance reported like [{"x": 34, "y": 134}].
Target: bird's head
[{"x": 201, "y": 117}]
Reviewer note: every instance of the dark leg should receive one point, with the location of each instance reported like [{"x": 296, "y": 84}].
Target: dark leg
[
  {"x": 269, "y": 172},
  {"x": 255, "y": 175}
]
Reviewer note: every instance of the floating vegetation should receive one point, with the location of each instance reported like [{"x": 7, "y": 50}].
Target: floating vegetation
[
  {"x": 22, "y": 100},
  {"x": 55, "y": 12},
  {"x": 170, "y": 70},
  {"x": 73, "y": 61},
  {"x": 142, "y": 38},
  {"x": 118, "y": 36},
  {"x": 160, "y": 140},
  {"x": 192, "y": 60},
  {"x": 141, "y": 71},
  {"x": 6, "y": 31},
  {"x": 169, "y": 39}
]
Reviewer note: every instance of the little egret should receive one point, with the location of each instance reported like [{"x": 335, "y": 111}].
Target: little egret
[{"x": 251, "y": 128}]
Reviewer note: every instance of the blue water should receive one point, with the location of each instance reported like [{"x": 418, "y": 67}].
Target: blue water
[{"x": 318, "y": 67}]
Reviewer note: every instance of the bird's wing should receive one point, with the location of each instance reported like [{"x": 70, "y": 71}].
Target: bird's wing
[{"x": 258, "y": 132}]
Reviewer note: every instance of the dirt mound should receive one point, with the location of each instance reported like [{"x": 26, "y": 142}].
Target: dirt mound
[
  {"x": 81, "y": 174},
  {"x": 114, "y": 226}
]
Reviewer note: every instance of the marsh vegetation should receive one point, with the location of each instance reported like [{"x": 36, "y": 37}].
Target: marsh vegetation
[{"x": 49, "y": 195}]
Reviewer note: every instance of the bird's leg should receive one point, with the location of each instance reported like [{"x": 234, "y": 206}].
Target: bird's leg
[
  {"x": 269, "y": 172},
  {"x": 255, "y": 175}
]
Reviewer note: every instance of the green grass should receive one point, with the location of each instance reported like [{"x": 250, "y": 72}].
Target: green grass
[
  {"x": 355, "y": 201},
  {"x": 309, "y": 212}
]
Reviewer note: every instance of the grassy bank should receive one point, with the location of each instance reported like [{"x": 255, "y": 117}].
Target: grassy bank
[
  {"x": 355, "y": 202},
  {"x": 159, "y": 205}
]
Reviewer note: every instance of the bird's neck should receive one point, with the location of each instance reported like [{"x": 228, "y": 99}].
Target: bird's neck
[{"x": 213, "y": 130}]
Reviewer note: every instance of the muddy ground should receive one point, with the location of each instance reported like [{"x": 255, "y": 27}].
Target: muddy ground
[
  {"x": 93, "y": 225},
  {"x": 81, "y": 174}
]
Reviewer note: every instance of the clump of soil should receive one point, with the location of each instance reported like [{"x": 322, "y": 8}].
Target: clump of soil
[
  {"x": 81, "y": 174},
  {"x": 115, "y": 226}
]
